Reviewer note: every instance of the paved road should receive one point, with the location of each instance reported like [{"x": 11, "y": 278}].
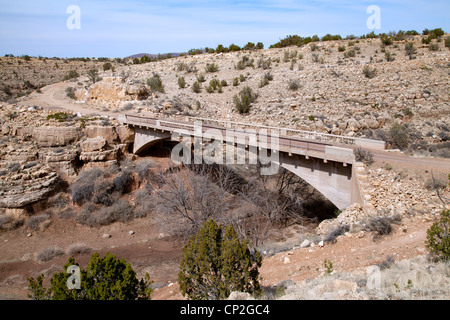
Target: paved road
[{"x": 54, "y": 97}]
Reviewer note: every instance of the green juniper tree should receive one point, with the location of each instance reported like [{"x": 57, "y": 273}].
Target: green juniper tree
[
  {"x": 106, "y": 278},
  {"x": 215, "y": 263}
]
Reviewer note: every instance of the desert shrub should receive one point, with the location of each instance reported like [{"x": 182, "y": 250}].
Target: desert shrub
[
  {"x": 212, "y": 67},
  {"x": 48, "y": 254},
  {"x": 244, "y": 99},
  {"x": 223, "y": 83},
  {"x": 315, "y": 57},
  {"x": 381, "y": 225},
  {"x": 83, "y": 189},
  {"x": 244, "y": 63},
  {"x": 389, "y": 56},
  {"x": 4, "y": 219},
  {"x": 78, "y": 248},
  {"x": 242, "y": 78},
  {"x": 235, "y": 82},
  {"x": 263, "y": 82},
  {"x": 95, "y": 217},
  {"x": 181, "y": 82},
  {"x": 34, "y": 222},
  {"x": 264, "y": 63},
  {"x": 201, "y": 77},
  {"x": 127, "y": 107},
  {"x": 369, "y": 72},
  {"x": 350, "y": 53},
  {"x": 266, "y": 78},
  {"x": 333, "y": 234},
  {"x": 314, "y": 47},
  {"x": 155, "y": 83},
  {"x": 106, "y": 278},
  {"x": 93, "y": 75},
  {"x": 341, "y": 48},
  {"x": 68, "y": 213},
  {"x": 191, "y": 67},
  {"x": 71, "y": 75},
  {"x": 387, "y": 263},
  {"x": 103, "y": 192},
  {"x": 438, "y": 237},
  {"x": 293, "y": 84},
  {"x": 215, "y": 263},
  {"x": 70, "y": 92},
  {"x": 410, "y": 50},
  {"x": 108, "y": 66},
  {"x": 386, "y": 40},
  {"x": 362, "y": 155},
  {"x": 122, "y": 181},
  {"x": 447, "y": 42},
  {"x": 143, "y": 166},
  {"x": 434, "y": 47},
  {"x": 214, "y": 83},
  {"x": 196, "y": 87},
  {"x": 181, "y": 66},
  {"x": 398, "y": 136}
]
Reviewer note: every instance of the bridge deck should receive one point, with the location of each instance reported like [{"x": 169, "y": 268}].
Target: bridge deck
[{"x": 307, "y": 143}]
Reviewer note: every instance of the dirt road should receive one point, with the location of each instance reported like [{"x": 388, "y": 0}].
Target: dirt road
[{"x": 53, "y": 97}]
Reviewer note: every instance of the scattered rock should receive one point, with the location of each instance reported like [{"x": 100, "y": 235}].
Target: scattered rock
[
  {"x": 236, "y": 295},
  {"x": 106, "y": 236},
  {"x": 306, "y": 243}
]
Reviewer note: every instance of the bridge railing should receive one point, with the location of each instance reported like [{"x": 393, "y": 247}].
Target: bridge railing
[{"x": 294, "y": 135}]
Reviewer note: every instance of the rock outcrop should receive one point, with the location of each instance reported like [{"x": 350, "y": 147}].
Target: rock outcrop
[{"x": 55, "y": 136}]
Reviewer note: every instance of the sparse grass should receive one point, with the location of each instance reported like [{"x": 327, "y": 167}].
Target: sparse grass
[
  {"x": 34, "y": 222},
  {"x": 48, "y": 254},
  {"x": 78, "y": 249}
]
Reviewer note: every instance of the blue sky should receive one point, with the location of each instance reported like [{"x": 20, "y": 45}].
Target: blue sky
[{"x": 113, "y": 28}]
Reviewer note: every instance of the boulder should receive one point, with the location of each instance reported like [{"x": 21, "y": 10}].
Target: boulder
[
  {"x": 306, "y": 243},
  {"x": 93, "y": 144},
  {"x": 107, "y": 132}
]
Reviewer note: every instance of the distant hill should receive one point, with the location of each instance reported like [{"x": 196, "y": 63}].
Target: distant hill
[{"x": 139, "y": 55}]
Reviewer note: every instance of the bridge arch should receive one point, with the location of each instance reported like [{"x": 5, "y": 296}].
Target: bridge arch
[
  {"x": 144, "y": 139},
  {"x": 332, "y": 179}
]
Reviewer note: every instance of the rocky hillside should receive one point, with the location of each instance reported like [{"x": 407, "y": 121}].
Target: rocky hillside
[{"x": 345, "y": 87}]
